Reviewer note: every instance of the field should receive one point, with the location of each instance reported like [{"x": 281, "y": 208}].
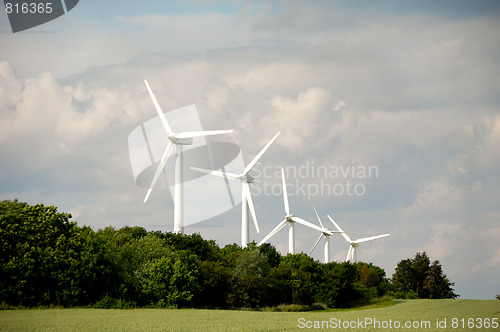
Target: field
[{"x": 428, "y": 315}]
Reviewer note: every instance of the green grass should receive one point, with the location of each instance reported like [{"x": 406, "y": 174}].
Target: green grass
[{"x": 420, "y": 311}]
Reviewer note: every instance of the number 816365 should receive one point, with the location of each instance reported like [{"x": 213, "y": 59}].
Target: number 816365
[
  {"x": 478, "y": 323},
  {"x": 28, "y": 8}
]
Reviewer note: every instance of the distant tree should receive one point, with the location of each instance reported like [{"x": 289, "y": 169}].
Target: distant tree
[
  {"x": 229, "y": 254},
  {"x": 131, "y": 254},
  {"x": 295, "y": 279},
  {"x": 205, "y": 250},
  {"x": 214, "y": 285},
  {"x": 174, "y": 280},
  {"x": 252, "y": 263},
  {"x": 273, "y": 256},
  {"x": 372, "y": 277},
  {"x": 345, "y": 277},
  {"x": 417, "y": 277},
  {"x": 498, "y": 297}
]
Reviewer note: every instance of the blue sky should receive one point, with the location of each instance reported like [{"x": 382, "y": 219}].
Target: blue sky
[{"x": 410, "y": 88}]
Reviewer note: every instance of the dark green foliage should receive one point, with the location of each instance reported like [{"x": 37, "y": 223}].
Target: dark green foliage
[
  {"x": 46, "y": 260},
  {"x": 214, "y": 285},
  {"x": 273, "y": 256},
  {"x": 205, "y": 250},
  {"x": 345, "y": 276},
  {"x": 252, "y": 263},
  {"x": 173, "y": 280},
  {"x": 418, "y": 278},
  {"x": 130, "y": 253}
]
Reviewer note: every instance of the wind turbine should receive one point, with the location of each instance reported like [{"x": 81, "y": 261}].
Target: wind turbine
[
  {"x": 325, "y": 233},
  {"x": 291, "y": 220},
  {"x": 351, "y": 254},
  {"x": 246, "y": 197},
  {"x": 177, "y": 141}
]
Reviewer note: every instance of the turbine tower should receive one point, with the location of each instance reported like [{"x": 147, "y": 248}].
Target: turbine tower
[
  {"x": 291, "y": 220},
  {"x": 351, "y": 254},
  {"x": 177, "y": 141},
  {"x": 246, "y": 197}
]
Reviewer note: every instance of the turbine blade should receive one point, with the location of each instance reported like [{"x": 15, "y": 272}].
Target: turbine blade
[
  {"x": 163, "y": 161},
  {"x": 274, "y": 231},
  {"x": 317, "y": 215},
  {"x": 346, "y": 237},
  {"x": 259, "y": 155},
  {"x": 307, "y": 223},
  {"x": 226, "y": 175},
  {"x": 246, "y": 189},
  {"x": 319, "y": 239},
  {"x": 371, "y": 238},
  {"x": 285, "y": 194},
  {"x": 158, "y": 109},
  {"x": 192, "y": 134}
]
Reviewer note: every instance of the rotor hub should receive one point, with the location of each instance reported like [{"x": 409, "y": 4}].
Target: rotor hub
[{"x": 246, "y": 178}]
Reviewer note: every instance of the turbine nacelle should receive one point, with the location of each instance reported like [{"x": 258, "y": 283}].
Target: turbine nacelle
[
  {"x": 180, "y": 141},
  {"x": 289, "y": 217},
  {"x": 327, "y": 231},
  {"x": 247, "y": 178}
]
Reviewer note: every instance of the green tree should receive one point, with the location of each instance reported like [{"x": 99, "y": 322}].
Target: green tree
[
  {"x": 215, "y": 285},
  {"x": 250, "y": 278},
  {"x": 295, "y": 279},
  {"x": 373, "y": 278},
  {"x": 131, "y": 252},
  {"x": 174, "y": 280},
  {"x": 205, "y": 250},
  {"x": 252, "y": 262},
  {"x": 344, "y": 278},
  {"x": 437, "y": 284},
  {"x": 46, "y": 259},
  {"x": 418, "y": 278}
]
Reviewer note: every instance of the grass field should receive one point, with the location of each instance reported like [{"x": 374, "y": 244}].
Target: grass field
[{"x": 424, "y": 315}]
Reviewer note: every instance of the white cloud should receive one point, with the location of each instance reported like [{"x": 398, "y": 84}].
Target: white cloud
[{"x": 299, "y": 118}]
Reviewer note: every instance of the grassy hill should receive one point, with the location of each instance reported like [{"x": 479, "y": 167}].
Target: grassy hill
[{"x": 473, "y": 315}]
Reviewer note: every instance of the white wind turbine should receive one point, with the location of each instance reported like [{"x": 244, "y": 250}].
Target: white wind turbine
[
  {"x": 177, "y": 140},
  {"x": 246, "y": 197},
  {"x": 291, "y": 220},
  {"x": 325, "y": 233},
  {"x": 351, "y": 254}
]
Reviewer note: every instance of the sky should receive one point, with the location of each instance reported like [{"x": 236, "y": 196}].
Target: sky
[{"x": 389, "y": 114}]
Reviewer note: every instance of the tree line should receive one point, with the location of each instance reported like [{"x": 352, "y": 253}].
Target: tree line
[{"x": 46, "y": 259}]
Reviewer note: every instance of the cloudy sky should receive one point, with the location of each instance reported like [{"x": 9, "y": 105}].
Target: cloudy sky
[{"x": 409, "y": 90}]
